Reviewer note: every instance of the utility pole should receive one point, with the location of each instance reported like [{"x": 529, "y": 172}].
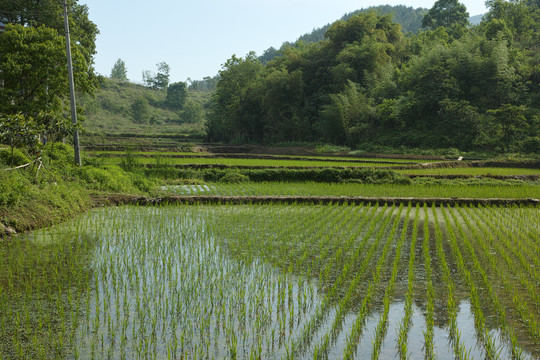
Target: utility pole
[{"x": 76, "y": 145}]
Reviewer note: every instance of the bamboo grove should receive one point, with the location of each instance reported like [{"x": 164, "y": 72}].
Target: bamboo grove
[{"x": 368, "y": 84}]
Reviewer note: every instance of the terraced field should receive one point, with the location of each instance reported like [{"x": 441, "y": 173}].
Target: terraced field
[{"x": 362, "y": 276}]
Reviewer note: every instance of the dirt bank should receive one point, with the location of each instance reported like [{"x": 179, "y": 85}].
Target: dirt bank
[{"x": 119, "y": 199}]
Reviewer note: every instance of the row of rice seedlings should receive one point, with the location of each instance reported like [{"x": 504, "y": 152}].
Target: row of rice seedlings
[
  {"x": 36, "y": 281},
  {"x": 324, "y": 241},
  {"x": 508, "y": 240},
  {"x": 351, "y": 237},
  {"x": 479, "y": 319},
  {"x": 352, "y": 189},
  {"x": 460, "y": 351},
  {"x": 524, "y": 220},
  {"x": 157, "y": 264},
  {"x": 242, "y": 241},
  {"x": 301, "y": 342},
  {"x": 428, "y": 333},
  {"x": 406, "y": 323},
  {"x": 516, "y": 243},
  {"x": 383, "y": 320},
  {"x": 526, "y": 315},
  {"x": 304, "y": 338},
  {"x": 322, "y": 349},
  {"x": 522, "y": 229},
  {"x": 303, "y": 255},
  {"x": 356, "y": 329},
  {"x": 503, "y": 321}
]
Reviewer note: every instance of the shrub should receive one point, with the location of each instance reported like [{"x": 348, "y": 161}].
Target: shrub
[
  {"x": 19, "y": 158},
  {"x": 59, "y": 154},
  {"x": 233, "y": 177}
]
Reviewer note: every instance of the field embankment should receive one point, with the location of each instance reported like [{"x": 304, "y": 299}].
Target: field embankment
[{"x": 122, "y": 199}]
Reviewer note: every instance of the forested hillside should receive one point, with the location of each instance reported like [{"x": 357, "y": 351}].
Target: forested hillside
[
  {"x": 367, "y": 83},
  {"x": 409, "y": 18}
]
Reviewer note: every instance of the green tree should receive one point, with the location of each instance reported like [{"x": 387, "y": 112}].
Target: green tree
[
  {"x": 161, "y": 80},
  {"x": 18, "y": 131},
  {"x": 34, "y": 72},
  {"x": 446, "y": 13},
  {"x": 457, "y": 124},
  {"x": 522, "y": 18},
  {"x": 148, "y": 78},
  {"x": 119, "y": 70},
  {"x": 176, "y": 96},
  {"x": 140, "y": 110},
  {"x": 192, "y": 113},
  {"x": 281, "y": 101},
  {"x": 348, "y": 118},
  {"x": 50, "y": 13},
  {"x": 229, "y": 116}
]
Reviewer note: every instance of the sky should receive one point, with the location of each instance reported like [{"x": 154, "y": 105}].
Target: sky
[{"x": 195, "y": 38}]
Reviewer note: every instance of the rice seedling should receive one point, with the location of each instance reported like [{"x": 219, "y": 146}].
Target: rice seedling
[
  {"x": 405, "y": 324},
  {"x": 459, "y": 349}
]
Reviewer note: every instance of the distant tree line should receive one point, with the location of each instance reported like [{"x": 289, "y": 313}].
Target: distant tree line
[{"x": 451, "y": 85}]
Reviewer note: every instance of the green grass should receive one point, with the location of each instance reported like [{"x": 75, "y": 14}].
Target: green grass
[{"x": 350, "y": 189}]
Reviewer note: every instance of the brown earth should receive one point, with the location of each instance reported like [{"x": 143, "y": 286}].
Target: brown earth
[{"x": 120, "y": 199}]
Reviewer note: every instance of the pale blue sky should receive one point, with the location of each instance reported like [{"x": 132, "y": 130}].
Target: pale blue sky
[{"x": 196, "y": 37}]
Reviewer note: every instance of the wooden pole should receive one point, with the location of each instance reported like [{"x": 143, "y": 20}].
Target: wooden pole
[{"x": 76, "y": 145}]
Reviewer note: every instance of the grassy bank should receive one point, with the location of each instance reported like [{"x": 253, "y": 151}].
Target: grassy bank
[{"x": 52, "y": 189}]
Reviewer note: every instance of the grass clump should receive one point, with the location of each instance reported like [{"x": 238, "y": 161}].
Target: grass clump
[
  {"x": 112, "y": 178},
  {"x": 233, "y": 177},
  {"x": 12, "y": 186}
]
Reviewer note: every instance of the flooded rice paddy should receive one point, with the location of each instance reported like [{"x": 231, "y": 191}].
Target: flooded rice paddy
[{"x": 275, "y": 282}]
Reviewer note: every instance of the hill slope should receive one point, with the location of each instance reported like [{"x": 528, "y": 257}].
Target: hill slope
[{"x": 126, "y": 108}]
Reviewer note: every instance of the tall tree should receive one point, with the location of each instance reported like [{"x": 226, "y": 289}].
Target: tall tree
[
  {"x": 229, "y": 118},
  {"x": 50, "y": 13},
  {"x": 33, "y": 71},
  {"x": 119, "y": 70},
  {"x": 446, "y": 13},
  {"x": 160, "y": 80}
]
